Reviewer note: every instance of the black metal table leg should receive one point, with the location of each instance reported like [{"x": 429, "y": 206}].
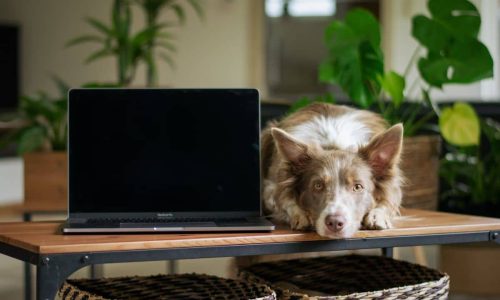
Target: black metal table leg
[
  {"x": 53, "y": 270},
  {"x": 173, "y": 266},
  {"x": 27, "y": 267},
  {"x": 388, "y": 252},
  {"x": 96, "y": 271}
]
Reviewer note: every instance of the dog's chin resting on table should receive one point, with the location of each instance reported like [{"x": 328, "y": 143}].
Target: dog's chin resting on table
[{"x": 333, "y": 169}]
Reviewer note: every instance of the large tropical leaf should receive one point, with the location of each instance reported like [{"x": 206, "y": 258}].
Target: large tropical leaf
[
  {"x": 394, "y": 85},
  {"x": 355, "y": 60},
  {"x": 454, "y": 54}
]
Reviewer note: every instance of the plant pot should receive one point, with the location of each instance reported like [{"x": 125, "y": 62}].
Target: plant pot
[
  {"x": 45, "y": 181},
  {"x": 420, "y": 166}
]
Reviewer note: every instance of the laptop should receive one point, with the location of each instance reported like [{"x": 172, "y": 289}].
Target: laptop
[{"x": 164, "y": 160}]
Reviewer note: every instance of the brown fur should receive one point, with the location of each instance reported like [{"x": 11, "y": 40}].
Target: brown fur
[
  {"x": 290, "y": 164},
  {"x": 293, "y": 178}
]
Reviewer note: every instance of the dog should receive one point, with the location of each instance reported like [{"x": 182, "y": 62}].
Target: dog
[{"x": 332, "y": 168}]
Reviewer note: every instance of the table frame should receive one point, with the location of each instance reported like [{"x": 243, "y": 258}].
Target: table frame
[{"x": 53, "y": 269}]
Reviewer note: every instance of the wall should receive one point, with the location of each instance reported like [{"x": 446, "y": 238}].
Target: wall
[{"x": 211, "y": 53}]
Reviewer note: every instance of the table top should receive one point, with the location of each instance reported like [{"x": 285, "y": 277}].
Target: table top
[{"x": 46, "y": 237}]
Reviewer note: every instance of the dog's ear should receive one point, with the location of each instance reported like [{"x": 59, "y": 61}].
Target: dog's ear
[
  {"x": 384, "y": 150},
  {"x": 292, "y": 150}
]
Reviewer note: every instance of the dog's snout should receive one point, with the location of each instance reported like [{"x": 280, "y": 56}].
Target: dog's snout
[{"x": 335, "y": 222}]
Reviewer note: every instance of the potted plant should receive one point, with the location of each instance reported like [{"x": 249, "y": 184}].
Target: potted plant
[
  {"x": 41, "y": 140},
  {"x": 143, "y": 46},
  {"x": 355, "y": 62},
  {"x": 470, "y": 174}
]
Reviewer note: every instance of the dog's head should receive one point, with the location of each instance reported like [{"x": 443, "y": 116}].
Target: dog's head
[{"x": 337, "y": 188}]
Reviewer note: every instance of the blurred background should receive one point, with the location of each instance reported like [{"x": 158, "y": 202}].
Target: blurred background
[{"x": 276, "y": 46}]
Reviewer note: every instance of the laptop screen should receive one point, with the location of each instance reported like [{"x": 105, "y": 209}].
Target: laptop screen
[{"x": 154, "y": 150}]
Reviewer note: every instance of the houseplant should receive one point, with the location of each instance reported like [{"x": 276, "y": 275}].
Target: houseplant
[
  {"x": 470, "y": 174},
  {"x": 355, "y": 62},
  {"x": 132, "y": 48},
  {"x": 41, "y": 138}
]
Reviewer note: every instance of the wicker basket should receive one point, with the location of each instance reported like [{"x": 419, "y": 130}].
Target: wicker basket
[
  {"x": 184, "y": 286},
  {"x": 349, "y": 277}
]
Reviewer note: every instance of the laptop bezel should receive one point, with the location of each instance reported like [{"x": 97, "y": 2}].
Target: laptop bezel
[{"x": 78, "y": 217}]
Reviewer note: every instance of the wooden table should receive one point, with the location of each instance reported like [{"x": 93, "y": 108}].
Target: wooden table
[{"x": 56, "y": 256}]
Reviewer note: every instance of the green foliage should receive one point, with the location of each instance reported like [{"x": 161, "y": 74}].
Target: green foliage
[
  {"x": 44, "y": 122},
  {"x": 355, "y": 60},
  {"x": 131, "y": 49},
  {"x": 459, "y": 125},
  {"x": 470, "y": 175},
  {"x": 454, "y": 54}
]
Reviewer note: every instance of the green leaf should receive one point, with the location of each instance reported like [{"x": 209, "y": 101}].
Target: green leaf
[
  {"x": 364, "y": 24},
  {"x": 168, "y": 59},
  {"x": 84, "y": 39},
  {"x": 454, "y": 55},
  {"x": 198, "y": 8},
  {"x": 167, "y": 46},
  {"x": 460, "y": 16},
  {"x": 62, "y": 86},
  {"x": 355, "y": 59},
  {"x": 394, "y": 85},
  {"x": 459, "y": 125},
  {"x": 31, "y": 139},
  {"x": 98, "y": 54},
  {"x": 100, "y": 26},
  {"x": 430, "y": 33},
  {"x": 301, "y": 103},
  {"x": 179, "y": 12},
  {"x": 466, "y": 62}
]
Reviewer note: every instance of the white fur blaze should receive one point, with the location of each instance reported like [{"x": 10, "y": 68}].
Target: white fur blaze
[{"x": 342, "y": 132}]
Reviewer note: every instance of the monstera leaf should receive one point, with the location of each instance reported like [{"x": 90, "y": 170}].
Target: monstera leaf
[
  {"x": 355, "y": 60},
  {"x": 454, "y": 54}
]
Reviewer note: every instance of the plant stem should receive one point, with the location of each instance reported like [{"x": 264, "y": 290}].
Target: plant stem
[
  {"x": 412, "y": 60},
  {"x": 418, "y": 124},
  {"x": 432, "y": 104}
]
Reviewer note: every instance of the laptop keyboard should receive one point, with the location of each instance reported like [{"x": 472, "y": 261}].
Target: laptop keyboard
[{"x": 100, "y": 221}]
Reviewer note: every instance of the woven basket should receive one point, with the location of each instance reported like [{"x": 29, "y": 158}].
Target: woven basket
[
  {"x": 349, "y": 277},
  {"x": 184, "y": 286}
]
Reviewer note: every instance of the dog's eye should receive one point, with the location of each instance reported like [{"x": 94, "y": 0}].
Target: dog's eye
[
  {"x": 318, "y": 185},
  {"x": 358, "y": 188}
]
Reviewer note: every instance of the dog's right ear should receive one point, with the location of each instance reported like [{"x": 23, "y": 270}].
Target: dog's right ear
[{"x": 289, "y": 147}]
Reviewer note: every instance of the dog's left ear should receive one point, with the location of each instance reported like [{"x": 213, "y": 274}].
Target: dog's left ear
[{"x": 384, "y": 150}]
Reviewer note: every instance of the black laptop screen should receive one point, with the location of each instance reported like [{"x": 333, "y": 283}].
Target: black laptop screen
[{"x": 163, "y": 150}]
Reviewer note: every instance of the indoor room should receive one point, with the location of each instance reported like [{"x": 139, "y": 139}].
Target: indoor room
[{"x": 367, "y": 135}]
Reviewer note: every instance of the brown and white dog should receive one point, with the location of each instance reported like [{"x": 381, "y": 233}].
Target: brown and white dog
[{"x": 332, "y": 168}]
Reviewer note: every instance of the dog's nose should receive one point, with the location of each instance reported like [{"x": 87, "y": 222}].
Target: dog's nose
[{"x": 335, "y": 222}]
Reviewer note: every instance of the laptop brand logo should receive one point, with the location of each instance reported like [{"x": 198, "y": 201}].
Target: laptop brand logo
[{"x": 165, "y": 215}]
